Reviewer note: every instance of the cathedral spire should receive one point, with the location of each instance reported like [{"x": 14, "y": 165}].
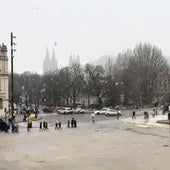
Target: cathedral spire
[
  {"x": 54, "y": 66},
  {"x": 46, "y": 61},
  {"x": 53, "y": 54},
  {"x": 70, "y": 61},
  {"x": 47, "y": 54}
]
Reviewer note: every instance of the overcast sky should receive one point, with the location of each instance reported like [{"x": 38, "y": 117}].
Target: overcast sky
[{"x": 90, "y": 28}]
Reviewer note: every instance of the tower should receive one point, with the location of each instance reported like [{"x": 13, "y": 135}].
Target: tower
[
  {"x": 46, "y": 62},
  {"x": 74, "y": 60},
  {"x": 53, "y": 62},
  {"x": 50, "y": 64}
]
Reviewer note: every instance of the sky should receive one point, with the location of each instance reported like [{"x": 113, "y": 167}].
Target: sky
[{"x": 89, "y": 28}]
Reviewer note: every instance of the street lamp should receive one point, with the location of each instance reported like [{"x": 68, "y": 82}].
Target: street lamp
[
  {"x": 12, "y": 85},
  {"x": 119, "y": 101}
]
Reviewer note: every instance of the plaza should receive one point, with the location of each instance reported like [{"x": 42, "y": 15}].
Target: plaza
[{"x": 106, "y": 145}]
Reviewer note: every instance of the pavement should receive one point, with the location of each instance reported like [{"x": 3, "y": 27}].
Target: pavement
[
  {"x": 125, "y": 144},
  {"x": 151, "y": 122},
  {"x": 99, "y": 146}
]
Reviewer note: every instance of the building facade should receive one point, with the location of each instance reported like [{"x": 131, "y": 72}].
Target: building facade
[{"x": 4, "y": 81}]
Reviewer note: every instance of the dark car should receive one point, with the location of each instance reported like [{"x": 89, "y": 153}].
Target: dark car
[{"x": 3, "y": 126}]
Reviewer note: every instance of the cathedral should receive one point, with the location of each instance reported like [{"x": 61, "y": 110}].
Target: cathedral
[
  {"x": 50, "y": 64},
  {"x": 74, "y": 60}
]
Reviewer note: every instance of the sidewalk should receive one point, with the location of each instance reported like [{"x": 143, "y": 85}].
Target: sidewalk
[{"x": 151, "y": 122}]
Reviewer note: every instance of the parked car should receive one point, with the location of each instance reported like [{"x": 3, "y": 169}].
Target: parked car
[
  {"x": 101, "y": 111},
  {"x": 113, "y": 112},
  {"x": 65, "y": 110},
  {"x": 76, "y": 110},
  {"x": 80, "y": 111},
  {"x": 86, "y": 111},
  {"x": 4, "y": 126}
]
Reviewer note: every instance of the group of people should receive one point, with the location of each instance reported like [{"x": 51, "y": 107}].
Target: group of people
[
  {"x": 146, "y": 114},
  {"x": 73, "y": 123},
  {"x": 43, "y": 125}
]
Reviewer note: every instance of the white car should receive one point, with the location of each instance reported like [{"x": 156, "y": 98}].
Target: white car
[
  {"x": 76, "y": 111},
  {"x": 101, "y": 111},
  {"x": 80, "y": 111},
  {"x": 113, "y": 112},
  {"x": 66, "y": 110}
]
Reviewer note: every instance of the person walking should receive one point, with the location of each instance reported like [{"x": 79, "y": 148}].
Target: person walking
[
  {"x": 133, "y": 115},
  {"x": 40, "y": 126},
  {"x": 68, "y": 124},
  {"x": 146, "y": 115},
  {"x": 118, "y": 113},
  {"x": 153, "y": 113},
  {"x": 56, "y": 124},
  {"x": 28, "y": 126},
  {"x": 44, "y": 125},
  {"x": 59, "y": 125},
  {"x": 75, "y": 123},
  {"x": 72, "y": 122},
  {"x": 93, "y": 118}
]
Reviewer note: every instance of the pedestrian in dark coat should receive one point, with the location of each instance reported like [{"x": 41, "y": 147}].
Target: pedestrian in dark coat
[
  {"x": 75, "y": 123},
  {"x": 40, "y": 125},
  {"x": 133, "y": 115},
  {"x": 56, "y": 124},
  {"x": 59, "y": 125},
  {"x": 44, "y": 125},
  {"x": 72, "y": 122}
]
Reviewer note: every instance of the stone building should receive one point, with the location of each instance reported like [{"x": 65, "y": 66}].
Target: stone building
[{"x": 4, "y": 81}]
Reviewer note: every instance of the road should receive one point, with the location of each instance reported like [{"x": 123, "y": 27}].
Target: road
[
  {"x": 109, "y": 144},
  {"x": 81, "y": 118}
]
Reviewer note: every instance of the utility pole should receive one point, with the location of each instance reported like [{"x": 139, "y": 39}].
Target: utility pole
[{"x": 12, "y": 85}]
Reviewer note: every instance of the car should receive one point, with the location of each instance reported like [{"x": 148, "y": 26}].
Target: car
[
  {"x": 65, "y": 110},
  {"x": 76, "y": 111},
  {"x": 101, "y": 111},
  {"x": 113, "y": 112},
  {"x": 4, "y": 126},
  {"x": 86, "y": 111},
  {"x": 80, "y": 111}
]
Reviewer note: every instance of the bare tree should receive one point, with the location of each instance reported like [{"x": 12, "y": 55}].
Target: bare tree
[
  {"x": 142, "y": 68},
  {"x": 95, "y": 82}
]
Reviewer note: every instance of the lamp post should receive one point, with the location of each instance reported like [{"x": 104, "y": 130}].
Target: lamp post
[
  {"x": 119, "y": 99},
  {"x": 118, "y": 91},
  {"x": 12, "y": 85}
]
